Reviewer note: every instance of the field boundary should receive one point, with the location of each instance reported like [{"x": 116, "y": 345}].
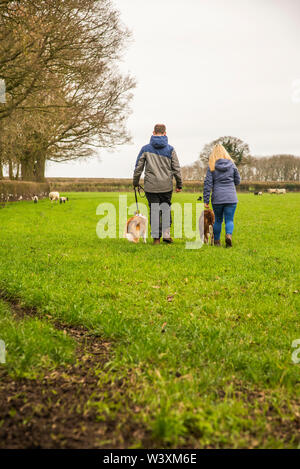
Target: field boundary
[
  {"x": 13, "y": 190},
  {"x": 124, "y": 185}
]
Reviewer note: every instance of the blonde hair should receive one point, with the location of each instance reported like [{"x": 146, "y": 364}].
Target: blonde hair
[{"x": 217, "y": 153}]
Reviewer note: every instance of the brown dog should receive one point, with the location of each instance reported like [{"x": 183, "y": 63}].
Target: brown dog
[
  {"x": 136, "y": 228},
  {"x": 206, "y": 224}
]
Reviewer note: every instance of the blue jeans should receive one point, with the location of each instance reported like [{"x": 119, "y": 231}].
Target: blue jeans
[{"x": 222, "y": 211}]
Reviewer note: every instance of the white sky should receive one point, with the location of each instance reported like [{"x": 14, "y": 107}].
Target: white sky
[{"x": 207, "y": 68}]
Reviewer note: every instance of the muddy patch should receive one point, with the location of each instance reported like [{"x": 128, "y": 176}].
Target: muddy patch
[{"x": 61, "y": 410}]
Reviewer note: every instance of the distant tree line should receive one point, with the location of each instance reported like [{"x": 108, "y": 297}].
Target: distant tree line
[
  {"x": 261, "y": 169},
  {"x": 273, "y": 168},
  {"x": 277, "y": 168},
  {"x": 64, "y": 94}
]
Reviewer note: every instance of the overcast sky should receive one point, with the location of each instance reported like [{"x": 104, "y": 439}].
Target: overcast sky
[{"x": 207, "y": 68}]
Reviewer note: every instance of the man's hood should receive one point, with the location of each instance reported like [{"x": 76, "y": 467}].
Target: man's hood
[
  {"x": 223, "y": 164},
  {"x": 159, "y": 141}
]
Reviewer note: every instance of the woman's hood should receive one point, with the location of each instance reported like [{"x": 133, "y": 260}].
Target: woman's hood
[{"x": 223, "y": 165}]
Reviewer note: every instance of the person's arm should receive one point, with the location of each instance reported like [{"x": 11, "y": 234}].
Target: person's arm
[
  {"x": 176, "y": 171},
  {"x": 208, "y": 185},
  {"x": 139, "y": 168},
  {"x": 236, "y": 176}
]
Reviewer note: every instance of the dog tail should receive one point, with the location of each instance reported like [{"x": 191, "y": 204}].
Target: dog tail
[{"x": 130, "y": 237}]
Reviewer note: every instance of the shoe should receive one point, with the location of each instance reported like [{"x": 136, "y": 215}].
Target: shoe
[
  {"x": 217, "y": 242},
  {"x": 228, "y": 240},
  {"x": 168, "y": 240},
  {"x": 156, "y": 241}
]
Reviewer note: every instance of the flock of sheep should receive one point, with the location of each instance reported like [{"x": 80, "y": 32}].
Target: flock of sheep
[
  {"x": 53, "y": 197},
  {"x": 272, "y": 191}
]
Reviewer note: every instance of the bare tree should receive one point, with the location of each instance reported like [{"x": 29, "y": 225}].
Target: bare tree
[
  {"x": 59, "y": 61},
  {"x": 193, "y": 172}
]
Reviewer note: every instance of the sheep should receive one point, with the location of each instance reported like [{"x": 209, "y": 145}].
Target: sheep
[
  {"x": 54, "y": 196},
  {"x": 280, "y": 191},
  {"x": 63, "y": 200},
  {"x": 35, "y": 199},
  {"x": 258, "y": 193},
  {"x": 277, "y": 191},
  {"x": 20, "y": 198}
]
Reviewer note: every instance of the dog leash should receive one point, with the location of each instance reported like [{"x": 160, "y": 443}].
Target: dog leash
[{"x": 139, "y": 189}]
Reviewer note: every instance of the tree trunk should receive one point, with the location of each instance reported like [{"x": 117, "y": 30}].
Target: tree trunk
[
  {"x": 17, "y": 172},
  {"x": 1, "y": 170},
  {"x": 10, "y": 171},
  {"x": 40, "y": 168},
  {"x": 27, "y": 170}
]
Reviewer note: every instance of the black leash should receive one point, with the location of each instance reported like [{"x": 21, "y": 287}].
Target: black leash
[{"x": 139, "y": 189}]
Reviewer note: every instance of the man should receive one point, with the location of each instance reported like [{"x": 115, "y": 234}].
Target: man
[{"x": 161, "y": 164}]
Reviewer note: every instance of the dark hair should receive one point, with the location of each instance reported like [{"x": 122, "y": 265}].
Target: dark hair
[{"x": 159, "y": 129}]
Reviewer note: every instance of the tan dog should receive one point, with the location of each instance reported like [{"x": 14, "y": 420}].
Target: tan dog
[
  {"x": 206, "y": 224},
  {"x": 136, "y": 228}
]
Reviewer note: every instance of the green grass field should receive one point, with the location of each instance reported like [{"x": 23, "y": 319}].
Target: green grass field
[{"x": 200, "y": 340}]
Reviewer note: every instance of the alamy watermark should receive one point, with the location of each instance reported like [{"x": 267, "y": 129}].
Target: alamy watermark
[
  {"x": 186, "y": 220},
  {"x": 2, "y": 91},
  {"x": 296, "y": 353},
  {"x": 2, "y": 352}
]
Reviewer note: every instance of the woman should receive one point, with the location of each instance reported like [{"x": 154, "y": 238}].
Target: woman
[{"x": 221, "y": 178}]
